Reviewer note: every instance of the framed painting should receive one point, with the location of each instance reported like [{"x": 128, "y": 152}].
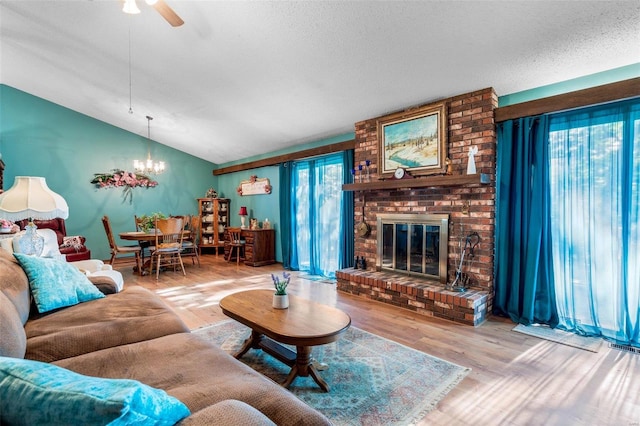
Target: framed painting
[{"x": 415, "y": 141}]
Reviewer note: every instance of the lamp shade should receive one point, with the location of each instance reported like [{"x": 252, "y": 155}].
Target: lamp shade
[
  {"x": 243, "y": 211},
  {"x": 31, "y": 198}
]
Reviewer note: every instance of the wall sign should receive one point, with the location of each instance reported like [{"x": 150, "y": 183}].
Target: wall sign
[{"x": 254, "y": 186}]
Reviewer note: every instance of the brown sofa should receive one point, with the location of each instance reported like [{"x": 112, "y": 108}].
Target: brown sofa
[
  {"x": 134, "y": 335},
  {"x": 72, "y": 247}
]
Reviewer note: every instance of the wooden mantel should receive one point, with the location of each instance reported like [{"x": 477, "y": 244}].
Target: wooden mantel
[{"x": 423, "y": 182}]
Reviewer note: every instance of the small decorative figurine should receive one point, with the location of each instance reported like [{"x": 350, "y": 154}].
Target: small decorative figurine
[
  {"x": 211, "y": 193},
  {"x": 471, "y": 165},
  {"x": 447, "y": 161}
]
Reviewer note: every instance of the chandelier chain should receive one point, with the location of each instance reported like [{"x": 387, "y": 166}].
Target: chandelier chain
[{"x": 130, "y": 103}]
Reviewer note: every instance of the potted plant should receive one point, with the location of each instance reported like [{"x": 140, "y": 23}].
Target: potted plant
[
  {"x": 147, "y": 223},
  {"x": 280, "y": 297}
]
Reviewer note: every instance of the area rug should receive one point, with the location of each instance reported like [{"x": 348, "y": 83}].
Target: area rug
[
  {"x": 372, "y": 380},
  {"x": 591, "y": 344}
]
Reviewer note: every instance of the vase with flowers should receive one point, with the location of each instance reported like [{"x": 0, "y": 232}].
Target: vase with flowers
[
  {"x": 280, "y": 297},
  {"x": 6, "y": 226}
]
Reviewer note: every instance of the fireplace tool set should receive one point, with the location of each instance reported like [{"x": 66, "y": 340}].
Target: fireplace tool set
[{"x": 467, "y": 250}]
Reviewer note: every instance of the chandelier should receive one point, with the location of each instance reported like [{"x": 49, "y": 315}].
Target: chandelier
[{"x": 149, "y": 166}]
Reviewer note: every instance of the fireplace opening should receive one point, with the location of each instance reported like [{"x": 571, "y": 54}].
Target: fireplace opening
[{"x": 414, "y": 244}]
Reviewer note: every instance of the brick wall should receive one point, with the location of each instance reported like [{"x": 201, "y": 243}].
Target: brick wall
[{"x": 470, "y": 123}]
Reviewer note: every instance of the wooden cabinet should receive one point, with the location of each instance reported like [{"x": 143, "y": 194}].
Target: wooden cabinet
[
  {"x": 259, "y": 248},
  {"x": 215, "y": 219}
]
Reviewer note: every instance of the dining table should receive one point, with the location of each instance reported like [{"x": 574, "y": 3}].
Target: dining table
[{"x": 145, "y": 239}]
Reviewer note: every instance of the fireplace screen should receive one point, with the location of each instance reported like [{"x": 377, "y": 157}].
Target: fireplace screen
[{"x": 413, "y": 244}]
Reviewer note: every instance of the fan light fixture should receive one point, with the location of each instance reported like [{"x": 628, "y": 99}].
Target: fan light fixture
[
  {"x": 130, "y": 7},
  {"x": 148, "y": 167},
  {"x": 163, "y": 9}
]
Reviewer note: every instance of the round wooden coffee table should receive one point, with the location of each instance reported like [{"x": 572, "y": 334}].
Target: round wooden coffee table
[{"x": 304, "y": 324}]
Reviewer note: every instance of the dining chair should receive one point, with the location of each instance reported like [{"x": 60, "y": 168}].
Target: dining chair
[
  {"x": 146, "y": 246},
  {"x": 191, "y": 242},
  {"x": 121, "y": 253},
  {"x": 168, "y": 248},
  {"x": 235, "y": 242}
]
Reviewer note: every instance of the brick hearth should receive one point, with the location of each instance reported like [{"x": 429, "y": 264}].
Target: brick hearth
[
  {"x": 470, "y": 123},
  {"x": 425, "y": 298}
]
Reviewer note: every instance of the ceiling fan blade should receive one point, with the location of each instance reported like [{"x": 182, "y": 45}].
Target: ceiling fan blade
[{"x": 168, "y": 13}]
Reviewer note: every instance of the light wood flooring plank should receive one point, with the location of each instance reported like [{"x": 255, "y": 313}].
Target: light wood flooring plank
[{"x": 515, "y": 379}]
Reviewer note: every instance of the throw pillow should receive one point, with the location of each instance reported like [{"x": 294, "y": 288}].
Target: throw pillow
[
  {"x": 74, "y": 241},
  {"x": 33, "y": 392},
  {"x": 55, "y": 284}
]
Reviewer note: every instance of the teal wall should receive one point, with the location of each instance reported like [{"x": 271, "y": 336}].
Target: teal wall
[
  {"x": 264, "y": 206},
  {"x": 39, "y": 138},
  {"x": 593, "y": 80},
  {"x": 258, "y": 206}
]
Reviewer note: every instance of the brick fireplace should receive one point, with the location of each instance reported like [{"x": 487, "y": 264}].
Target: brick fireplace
[{"x": 469, "y": 202}]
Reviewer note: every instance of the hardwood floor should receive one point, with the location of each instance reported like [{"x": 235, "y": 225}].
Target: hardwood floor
[{"x": 515, "y": 379}]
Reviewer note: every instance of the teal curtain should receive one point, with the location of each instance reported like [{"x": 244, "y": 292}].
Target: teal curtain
[
  {"x": 523, "y": 278},
  {"x": 317, "y": 208},
  {"x": 286, "y": 220},
  {"x": 347, "y": 251},
  {"x": 595, "y": 187}
]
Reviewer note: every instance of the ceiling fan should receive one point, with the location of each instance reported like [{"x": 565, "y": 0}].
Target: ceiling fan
[{"x": 163, "y": 9}]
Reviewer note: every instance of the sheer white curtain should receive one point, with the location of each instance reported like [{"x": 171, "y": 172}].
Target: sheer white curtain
[
  {"x": 317, "y": 210},
  {"x": 594, "y": 157}
]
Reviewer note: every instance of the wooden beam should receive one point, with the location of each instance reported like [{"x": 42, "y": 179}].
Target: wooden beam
[
  {"x": 312, "y": 152},
  {"x": 580, "y": 98}
]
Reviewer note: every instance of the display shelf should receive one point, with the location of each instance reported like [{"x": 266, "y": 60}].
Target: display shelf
[{"x": 214, "y": 213}]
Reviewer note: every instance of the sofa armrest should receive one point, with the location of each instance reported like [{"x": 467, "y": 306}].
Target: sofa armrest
[
  {"x": 91, "y": 265},
  {"x": 229, "y": 412},
  {"x": 106, "y": 285}
]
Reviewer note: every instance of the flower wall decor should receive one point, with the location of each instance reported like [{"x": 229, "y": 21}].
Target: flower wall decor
[{"x": 122, "y": 179}]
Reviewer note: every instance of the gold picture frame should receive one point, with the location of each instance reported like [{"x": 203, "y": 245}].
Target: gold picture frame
[{"x": 414, "y": 140}]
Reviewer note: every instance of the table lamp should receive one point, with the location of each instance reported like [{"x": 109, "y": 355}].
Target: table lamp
[
  {"x": 30, "y": 198},
  {"x": 243, "y": 213}
]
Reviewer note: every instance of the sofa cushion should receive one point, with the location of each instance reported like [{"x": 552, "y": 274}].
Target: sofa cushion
[
  {"x": 198, "y": 374},
  {"x": 56, "y": 284},
  {"x": 228, "y": 413},
  {"x": 132, "y": 315},
  {"x": 33, "y": 393},
  {"x": 13, "y": 340},
  {"x": 15, "y": 285}
]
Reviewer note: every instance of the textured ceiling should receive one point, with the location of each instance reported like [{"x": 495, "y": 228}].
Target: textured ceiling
[{"x": 242, "y": 78}]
